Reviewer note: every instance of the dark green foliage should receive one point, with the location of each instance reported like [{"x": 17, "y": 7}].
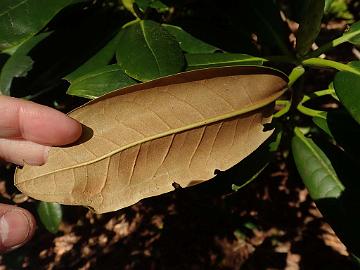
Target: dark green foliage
[{"x": 20, "y": 19}]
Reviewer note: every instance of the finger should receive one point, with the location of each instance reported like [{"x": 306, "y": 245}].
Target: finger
[
  {"x": 37, "y": 123},
  {"x": 23, "y": 152},
  {"x": 17, "y": 226}
]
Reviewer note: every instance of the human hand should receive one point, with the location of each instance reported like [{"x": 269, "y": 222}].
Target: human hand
[{"x": 27, "y": 130}]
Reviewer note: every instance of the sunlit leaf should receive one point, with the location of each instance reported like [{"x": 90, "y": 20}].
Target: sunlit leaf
[{"x": 147, "y": 51}]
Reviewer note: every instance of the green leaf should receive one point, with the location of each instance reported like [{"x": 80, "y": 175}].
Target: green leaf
[
  {"x": 347, "y": 88},
  {"x": 187, "y": 42},
  {"x": 196, "y": 61},
  {"x": 323, "y": 125},
  {"x": 100, "y": 59},
  {"x": 353, "y": 35},
  {"x": 338, "y": 9},
  {"x": 21, "y": 19},
  {"x": 50, "y": 214},
  {"x": 19, "y": 63},
  {"x": 343, "y": 129},
  {"x": 155, "y": 4},
  {"x": 147, "y": 51},
  {"x": 315, "y": 168},
  {"x": 100, "y": 82},
  {"x": 309, "y": 25},
  {"x": 355, "y": 65}
]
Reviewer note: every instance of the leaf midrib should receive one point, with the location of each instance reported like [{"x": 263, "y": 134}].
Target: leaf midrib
[
  {"x": 263, "y": 103},
  {"x": 142, "y": 27},
  {"x": 13, "y": 7}
]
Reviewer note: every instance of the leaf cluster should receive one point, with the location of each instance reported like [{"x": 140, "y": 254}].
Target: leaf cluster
[{"x": 130, "y": 44}]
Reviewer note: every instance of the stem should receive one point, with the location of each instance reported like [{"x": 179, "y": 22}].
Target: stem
[
  {"x": 295, "y": 74},
  {"x": 321, "y": 93},
  {"x": 45, "y": 90},
  {"x": 318, "y": 62},
  {"x": 324, "y": 92},
  {"x": 282, "y": 102},
  {"x": 311, "y": 112},
  {"x": 327, "y": 46},
  {"x": 284, "y": 110}
]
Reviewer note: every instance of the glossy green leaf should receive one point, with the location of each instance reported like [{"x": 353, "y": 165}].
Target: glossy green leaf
[
  {"x": 309, "y": 25},
  {"x": 19, "y": 63},
  {"x": 189, "y": 43},
  {"x": 50, "y": 214},
  {"x": 100, "y": 59},
  {"x": 147, "y": 51},
  {"x": 196, "y": 61},
  {"x": 353, "y": 34},
  {"x": 315, "y": 168},
  {"x": 21, "y": 19},
  {"x": 347, "y": 88},
  {"x": 100, "y": 82}
]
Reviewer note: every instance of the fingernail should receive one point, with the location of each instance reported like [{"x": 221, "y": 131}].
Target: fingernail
[
  {"x": 14, "y": 228},
  {"x": 46, "y": 153}
]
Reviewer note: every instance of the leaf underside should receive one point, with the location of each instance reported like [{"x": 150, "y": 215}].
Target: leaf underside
[{"x": 138, "y": 140}]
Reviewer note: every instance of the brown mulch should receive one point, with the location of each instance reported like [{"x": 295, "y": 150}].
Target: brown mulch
[{"x": 270, "y": 224}]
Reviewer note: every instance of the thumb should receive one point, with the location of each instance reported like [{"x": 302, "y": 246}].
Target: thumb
[{"x": 17, "y": 226}]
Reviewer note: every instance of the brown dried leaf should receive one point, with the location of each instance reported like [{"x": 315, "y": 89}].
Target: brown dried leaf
[{"x": 139, "y": 140}]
